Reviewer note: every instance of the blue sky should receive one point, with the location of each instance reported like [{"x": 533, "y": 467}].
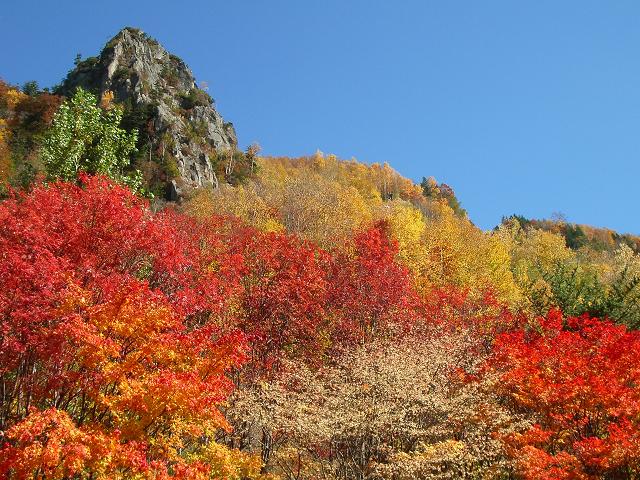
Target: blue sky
[{"x": 522, "y": 107}]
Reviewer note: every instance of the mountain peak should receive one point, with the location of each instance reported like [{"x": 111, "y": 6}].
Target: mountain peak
[{"x": 152, "y": 82}]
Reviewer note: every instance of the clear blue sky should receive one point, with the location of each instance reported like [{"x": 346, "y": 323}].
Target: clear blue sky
[{"x": 529, "y": 107}]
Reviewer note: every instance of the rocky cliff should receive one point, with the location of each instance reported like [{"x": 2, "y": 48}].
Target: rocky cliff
[{"x": 180, "y": 130}]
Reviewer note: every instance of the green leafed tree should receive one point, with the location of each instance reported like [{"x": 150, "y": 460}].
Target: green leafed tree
[{"x": 86, "y": 137}]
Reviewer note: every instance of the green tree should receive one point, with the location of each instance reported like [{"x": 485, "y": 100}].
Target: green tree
[
  {"x": 85, "y": 137},
  {"x": 572, "y": 288},
  {"x": 31, "y": 88},
  {"x": 574, "y": 236}
]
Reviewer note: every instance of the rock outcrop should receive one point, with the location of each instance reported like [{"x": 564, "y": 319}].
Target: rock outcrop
[{"x": 159, "y": 86}]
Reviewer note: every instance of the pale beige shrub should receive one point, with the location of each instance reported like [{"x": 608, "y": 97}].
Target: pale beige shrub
[{"x": 392, "y": 409}]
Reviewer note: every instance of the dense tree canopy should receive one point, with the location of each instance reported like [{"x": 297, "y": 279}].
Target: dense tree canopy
[
  {"x": 305, "y": 319},
  {"x": 112, "y": 356},
  {"x": 579, "y": 379}
]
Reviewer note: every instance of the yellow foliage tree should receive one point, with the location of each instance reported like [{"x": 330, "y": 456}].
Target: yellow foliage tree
[
  {"x": 324, "y": 200},
  {"x": 536, "y": 251},
  {"x": 408, "y": 226},
  {"x": 9, "y": 99},
  {"x": 243, "y": 202},
  {"x": 443, "y": 249},
  {"x": 5, "y": 155},
  {"x": 322, "y": 211}
]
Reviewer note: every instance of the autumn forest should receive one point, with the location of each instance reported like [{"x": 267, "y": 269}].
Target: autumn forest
[{"x": 296, "y": 318}]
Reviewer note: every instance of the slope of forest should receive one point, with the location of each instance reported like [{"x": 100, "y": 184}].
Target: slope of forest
[
  {"x": 299, "y": 318},
  {"x": 578, "y": 236}
]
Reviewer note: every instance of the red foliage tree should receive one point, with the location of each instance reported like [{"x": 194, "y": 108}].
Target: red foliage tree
[
  {"x": 110, "y": 334},
  {"x": 370, "y": 291},
  {"x": 283, "y": 303},
  {"x": 580, "y": 380}
]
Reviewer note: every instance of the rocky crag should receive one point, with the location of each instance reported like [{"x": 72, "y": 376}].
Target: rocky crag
[{"x": 181, "y": 133}]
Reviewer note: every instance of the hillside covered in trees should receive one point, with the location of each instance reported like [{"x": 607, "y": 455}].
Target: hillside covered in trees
[{"x": 286, "y": 318}]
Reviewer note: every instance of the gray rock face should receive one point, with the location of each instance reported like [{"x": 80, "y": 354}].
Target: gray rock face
[{"x": 138, "y": 70}]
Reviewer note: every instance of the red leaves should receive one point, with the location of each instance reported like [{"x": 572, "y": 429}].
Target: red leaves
[
  {"x": 370, "y": 291},
  {"x": 284, "y": 297},
  {"x": 109, "y": 327},
  {"x": 301, "y": 301},
  {"x": 118, "y": 328},
  {"x": 581, "y": 378},
  {"x": 49, "y": 442}
]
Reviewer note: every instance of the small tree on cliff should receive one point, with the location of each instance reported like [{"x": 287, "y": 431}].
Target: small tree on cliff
[{"x": 86, "y": 137}]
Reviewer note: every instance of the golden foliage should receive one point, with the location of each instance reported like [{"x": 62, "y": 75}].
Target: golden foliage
[
  {"x": 322, "y": 211},
  {"x": 243, "y": 202},
  {"x": 5, "y": 154},
  {"x": 106, "y": 100},
  {"x": 391, "y": 409},
  {"x": 9, "y": 99},
  {"x": 445, "y": 249}
]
